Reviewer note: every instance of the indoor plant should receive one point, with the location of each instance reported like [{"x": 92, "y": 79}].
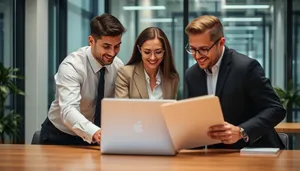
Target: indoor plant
[
  {"x": 9, "y": 119},
  {"x": 289, "y": 98}
]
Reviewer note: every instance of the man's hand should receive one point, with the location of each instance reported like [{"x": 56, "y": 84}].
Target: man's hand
[
  {"x": 97, "y": 136},
  {"x": 227, "y": 133}
]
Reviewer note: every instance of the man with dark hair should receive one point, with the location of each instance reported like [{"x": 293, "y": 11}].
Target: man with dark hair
[
  {"x": 82, "y": 80},
  {"x": 250, "y": 106}
]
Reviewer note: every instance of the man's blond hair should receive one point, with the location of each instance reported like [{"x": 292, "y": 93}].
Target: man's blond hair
[{"x": 203, "y": 23}]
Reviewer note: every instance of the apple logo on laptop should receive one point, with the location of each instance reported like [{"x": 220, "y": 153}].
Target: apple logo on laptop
[{"x": 138, "y": 127}]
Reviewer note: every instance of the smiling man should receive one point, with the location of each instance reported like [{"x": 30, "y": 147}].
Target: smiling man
[
  {"x": 82, "y": 80},
  {"x": 250, "y": 106}
]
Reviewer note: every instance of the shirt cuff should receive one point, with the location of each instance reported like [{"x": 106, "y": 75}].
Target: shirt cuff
[{"x": 91, "y": 129}]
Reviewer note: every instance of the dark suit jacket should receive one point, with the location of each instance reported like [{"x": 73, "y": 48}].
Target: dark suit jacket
[{"x": 246, "y": 96}]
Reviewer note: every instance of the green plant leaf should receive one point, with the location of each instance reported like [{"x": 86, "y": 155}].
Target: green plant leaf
[
  {"x": 10, "y": 121},
  {"x": 285, "y": 104},
  {"x": 4, "y": 89},
  {"x": 13, "y": 88},
  {"x": 14, "y": 69},
  {"x": 20, "y": 92},
  {"x": 1, "y": 127},
  {"x": 283, "y": 96},
  {"x": 280, "y": 92},
  {"x": 15, "y": 77},
  {"x": 11, "y": 124},
  {"x": 297, "y": 101}
]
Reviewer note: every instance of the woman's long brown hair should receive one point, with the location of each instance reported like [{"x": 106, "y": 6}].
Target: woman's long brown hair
[{"x": 167, "y": 66}]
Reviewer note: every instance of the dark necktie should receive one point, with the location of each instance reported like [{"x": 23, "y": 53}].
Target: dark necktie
[{"x": 99, "y": 97}]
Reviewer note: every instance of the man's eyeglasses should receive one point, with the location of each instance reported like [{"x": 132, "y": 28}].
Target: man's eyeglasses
[
  {"x": 157, "y": 53},
  {"x": 193, "y": 51}
]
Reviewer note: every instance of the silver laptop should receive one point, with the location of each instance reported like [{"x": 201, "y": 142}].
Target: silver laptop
[{"x": 134, "y": 126}]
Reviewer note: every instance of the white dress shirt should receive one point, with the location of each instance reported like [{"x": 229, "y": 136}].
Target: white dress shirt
[
  {"x": 212, "y": 77},
  {"x": 157, "y": 90},
  {"x": 77, "y": 80}
]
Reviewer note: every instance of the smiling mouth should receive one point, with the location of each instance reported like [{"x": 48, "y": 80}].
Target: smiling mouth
[
  {"x": 152, "y": 62},
  {"x": 202, "y": 59},
  {"x": 108, "y": 57}
]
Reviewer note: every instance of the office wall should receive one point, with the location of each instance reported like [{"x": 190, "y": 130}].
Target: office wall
[
  {"x": 279, "y": 44},
  {"x": 36, "y": 70}
]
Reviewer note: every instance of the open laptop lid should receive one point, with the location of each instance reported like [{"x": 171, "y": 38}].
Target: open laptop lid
[
  {"x": 134, "y": 126},
  {"x": 188, "y": 120}
]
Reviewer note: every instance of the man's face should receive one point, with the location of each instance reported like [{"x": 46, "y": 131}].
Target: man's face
[
  {"x": 210, "y": 51},
  {"x": 105, "y": 49}
]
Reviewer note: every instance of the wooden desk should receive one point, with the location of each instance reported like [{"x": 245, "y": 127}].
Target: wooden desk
[
  {"x": 60, "y": 158},
  {"x": 288, "y": 127}
]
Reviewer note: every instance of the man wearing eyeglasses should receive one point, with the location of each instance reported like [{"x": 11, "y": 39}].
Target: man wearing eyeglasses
[{"x": 250, "y": 106}]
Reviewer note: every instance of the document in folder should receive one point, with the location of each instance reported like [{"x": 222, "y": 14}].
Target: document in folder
[{"x": 188, "y": 120}]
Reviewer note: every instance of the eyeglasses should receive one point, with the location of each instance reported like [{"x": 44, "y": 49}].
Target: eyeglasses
[
  {"x": 193, "y": 51},
  {"x": 157, "y": 53}
]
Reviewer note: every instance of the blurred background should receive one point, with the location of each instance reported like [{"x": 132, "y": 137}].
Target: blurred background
[{"x": 36, "y": 35}]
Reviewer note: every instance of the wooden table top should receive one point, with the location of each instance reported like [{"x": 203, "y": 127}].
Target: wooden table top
[
  {"x": 60, "y": 158},
  {"x": 288, "y": 127}
]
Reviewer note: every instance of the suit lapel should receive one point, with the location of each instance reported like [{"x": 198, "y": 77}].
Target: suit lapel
[
  {"x": 140, "y": 81},
  {"x": 223, "y": 72}
]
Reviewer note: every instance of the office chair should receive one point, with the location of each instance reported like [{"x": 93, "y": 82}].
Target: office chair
[
  {"x": 285, "y": 139},
  {"x": 36, "y": 138}
]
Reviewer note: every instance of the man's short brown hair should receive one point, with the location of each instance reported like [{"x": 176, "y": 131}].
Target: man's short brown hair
[
  {"x": 203, "y": 23},
  {"x": 106, "y": 25}
]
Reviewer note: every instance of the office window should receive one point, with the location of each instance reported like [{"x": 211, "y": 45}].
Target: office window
[
  {"x": 6, "y": 32},
  {"x": 140, "y": 14},
  {"x": 296, "y": 52},
  {"x": 6, "y": 38},
  {"x": 12, "y": 49},
  {"x": 80, "y": 13},
  {"x": 296, "y": 42},
  {"x": 68, "y": 31},
  {"x": 1, "y": 38},
  {"x": 247, "y": 25},
  {"x": 7, "y": 56}
]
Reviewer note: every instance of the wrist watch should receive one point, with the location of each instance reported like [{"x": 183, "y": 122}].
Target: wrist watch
[{"x": 244, "y": 135}]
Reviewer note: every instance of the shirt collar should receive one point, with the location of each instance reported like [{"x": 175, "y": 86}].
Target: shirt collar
[
  {"x": 158, "y": 78},
  {"x": 217, "y": 65},
  {"x": 96, "y": 66}
]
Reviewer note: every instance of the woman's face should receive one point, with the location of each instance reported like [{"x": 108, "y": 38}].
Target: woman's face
[{"x": 152, "y": 53}]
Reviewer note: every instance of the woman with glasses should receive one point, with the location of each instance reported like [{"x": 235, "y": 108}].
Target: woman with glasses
[{"x": 150, "y": 72}]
